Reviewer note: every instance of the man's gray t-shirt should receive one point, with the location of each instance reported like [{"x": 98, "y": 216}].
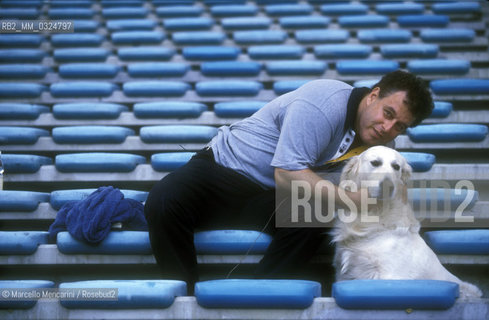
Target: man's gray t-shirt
[{"x": 298, "y": 130}]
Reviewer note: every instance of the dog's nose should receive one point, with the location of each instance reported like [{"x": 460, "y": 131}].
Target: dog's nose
[{"x": 387, "y": 188}]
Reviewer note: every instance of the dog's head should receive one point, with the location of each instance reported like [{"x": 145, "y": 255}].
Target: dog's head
[{"x": 382, "y": 170}]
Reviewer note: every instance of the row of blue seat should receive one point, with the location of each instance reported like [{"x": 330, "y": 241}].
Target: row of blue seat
[
  {"x": 240, "y": 293},
  {"x": 215, "y": 242},
  {"x": 10, "y": 135},
  {"x": 113, "y": 162},
  {"x": 28, "y": 201},
  {"x": 249, "y": 37},
  {"x": 204, "y": 53},
  {"x": 78, "y": 89},
  {"x": 244, "y": 10},
  {"x": 232, "y": 68},
  {"x": 154, "y": 110}
]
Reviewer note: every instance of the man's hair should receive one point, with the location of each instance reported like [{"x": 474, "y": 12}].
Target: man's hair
[{"x": 418, "y": 95}]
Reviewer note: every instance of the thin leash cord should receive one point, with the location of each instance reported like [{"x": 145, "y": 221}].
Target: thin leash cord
[{"x": 254, "y": 242}]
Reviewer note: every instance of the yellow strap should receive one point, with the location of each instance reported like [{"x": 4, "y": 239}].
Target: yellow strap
[{"x": 353, "y": 152}]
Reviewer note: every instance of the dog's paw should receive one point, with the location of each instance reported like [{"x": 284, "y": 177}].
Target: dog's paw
[{"x": 468, "y": 290}]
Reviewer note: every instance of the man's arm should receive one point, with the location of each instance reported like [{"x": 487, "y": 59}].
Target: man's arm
[{"x": 284, "y": 177}]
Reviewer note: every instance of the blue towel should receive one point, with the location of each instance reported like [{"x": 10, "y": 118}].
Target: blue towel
[{"x": 90, "y": 219}]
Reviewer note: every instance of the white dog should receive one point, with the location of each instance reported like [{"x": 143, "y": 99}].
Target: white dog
[{"x": 390, "y": 248}]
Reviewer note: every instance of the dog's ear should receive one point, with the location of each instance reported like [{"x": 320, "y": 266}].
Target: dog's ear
[
  {"x": 406, "y": 172},
  {"x": 350, "y": 171}
]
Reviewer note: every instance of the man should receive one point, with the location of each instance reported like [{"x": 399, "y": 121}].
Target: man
[{"x": 232, "y": 182}]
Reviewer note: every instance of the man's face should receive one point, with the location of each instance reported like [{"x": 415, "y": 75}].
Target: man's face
[{"x": 383, "y": 119}]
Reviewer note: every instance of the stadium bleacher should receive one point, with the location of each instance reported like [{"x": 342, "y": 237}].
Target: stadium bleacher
[{"x": 141, "y": 85}]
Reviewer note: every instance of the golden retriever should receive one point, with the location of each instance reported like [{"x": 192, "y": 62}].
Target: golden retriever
[{"x": 382, "y": 241}]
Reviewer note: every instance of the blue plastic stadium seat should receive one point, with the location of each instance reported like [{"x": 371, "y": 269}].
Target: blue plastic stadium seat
[
  {"x": 131, "y": 294},
  {"x": 439, "y": 66},
  {"x": 70, "y": 13},
  {"x": 86, "y": 25},
  {"x": 24, "y": 163},
  {"x": 170, "y": 161},
  {"x": 419, "y": 161},
  {"x": 441, "y": 109},
  {"x": 460, "y": 86},
  {"x": 237, "y": 109},
  {"x": 198, "y": 37},
  {"x": 460, "y": 7},
  {"x": 384, "y": 35},
  {"x": 27, "y": 285},
  {"x": 344, "y": 9},
  {"x": 61, "y": 197},
  {"x": 469, "y": 241},
  {"x": 399, "y": 8},
  {"x": 77, "y": 39},
  {"x": 444, "y": 199},
  {"x": 366, "y": 66},
  {"x": 19, "y": 13},
  {"x": 233, "y": 10},
  {"x": 23, "y": 71},
  {"x": 304, "y": 22},
  {"x": 128, "y": 4},
  {"x": 363, "y": 21},
  {"x": 82, "y": 89},
  {"x": 169, "y": 109},
  {"x": 423, "y": 20},
  {"x": 230, "y": 68},
  {"x": 368, "y": 83},
  {"x": 20, "y": 40},
  {"x": 91, "y": 134},
  {"x": 288, "y": 9},
  {"x": 116, "y": 242},
  {"x": 21, "y": 242},
  {"x": 124, "y": 12},
  {"x": 447, "y": 35},
  {"x": 281, "y": 87},
  {"x": 155, "y": 88},
  {"x": 260, "y": 37},
  {"x": 179, "y": 11},
  {"x": 157, "y": 69},
  {"x": 86, "y": 110},
  {"x": 88, "y": 70},
  {"x": 276, "y": 52},
  {"x": 413, "y": 50},
  {"x": 193, "y": 23},
  {"x": 15, "y": 3},
  {"x": 228, "y": 88},
  {"x": 21, "y": 111},
  {"x": 73, "y": 3},
  {"x": 146, "y": 53},
  {"x": 322, "y": 36},
  {"x": 81, "y": 55},
  {"x": 395, "y": 294},
  {"x": 448, "y": 132},
  {"x": 137, "y": 37},
  {"x": 21, "y": 135},
  {"x": 231, "y": 242},
  {"x": 248, "y": 23},
  {"x": 12, "y": 200},
  {"x": 328, "y": 51},
  {"x": 211, "y": 53},
  {"x": 177, "y": 133},
  {"x": 256, "y": 293},
  {"x": 98, "y": 162},
  {"x": 21, "y": 55},
  {"x": 294, "y": 67},
  {"x": 21, "y": 90},
  {"x": 131, "y": 24}
]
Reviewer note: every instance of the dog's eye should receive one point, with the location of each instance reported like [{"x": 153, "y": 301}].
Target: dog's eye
[
  {"x": 395, "y": 166},
  {"x": 375, "y": 163}
]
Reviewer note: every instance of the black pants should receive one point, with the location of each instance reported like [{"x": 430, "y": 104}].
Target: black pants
[{"x": 207, "y": 196}]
